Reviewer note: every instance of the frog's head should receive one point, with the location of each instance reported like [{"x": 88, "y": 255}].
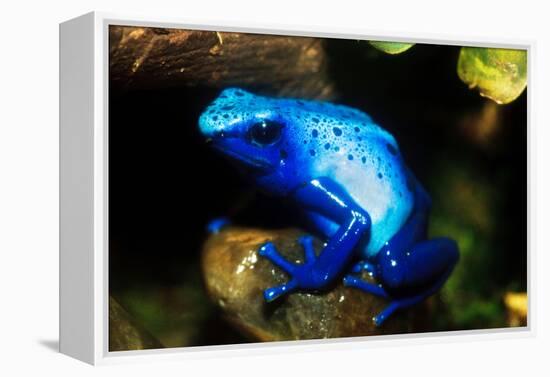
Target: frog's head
[
  {"x": 283, "y": 142},
  {"x": 257, "y": 133}
]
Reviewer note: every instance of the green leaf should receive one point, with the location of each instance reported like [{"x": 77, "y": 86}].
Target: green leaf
[
  {"x": 391, "y": 48},
  {"x": 499, "y": 74}
]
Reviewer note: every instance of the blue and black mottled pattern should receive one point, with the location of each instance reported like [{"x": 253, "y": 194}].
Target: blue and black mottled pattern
[
  {"x": 321, "y": 139},
  {"x": 347, "y": 175}
]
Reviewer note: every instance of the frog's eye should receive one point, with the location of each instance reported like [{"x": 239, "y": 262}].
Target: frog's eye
[{"x": 265, "y": 133}]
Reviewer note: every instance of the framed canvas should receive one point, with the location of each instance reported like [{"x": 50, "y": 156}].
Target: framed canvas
[{"x": 227, "y": 188}]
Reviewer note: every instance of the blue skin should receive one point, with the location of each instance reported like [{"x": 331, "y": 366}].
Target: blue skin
[{"x": 347, "y": 175}]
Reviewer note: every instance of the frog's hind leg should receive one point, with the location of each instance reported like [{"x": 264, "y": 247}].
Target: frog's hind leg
[
  {"x": 407, "y": 301},
  {"x": 414, "y": 268},
  {"x": 408, "y": 267}
]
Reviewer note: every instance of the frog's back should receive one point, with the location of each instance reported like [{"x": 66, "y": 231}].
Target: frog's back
[{"x": 346, "y": 145}]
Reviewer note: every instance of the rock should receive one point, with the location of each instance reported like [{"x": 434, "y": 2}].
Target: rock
[
  {"x": 235, "y": 276},
  {"x": 125, "y": 333}
]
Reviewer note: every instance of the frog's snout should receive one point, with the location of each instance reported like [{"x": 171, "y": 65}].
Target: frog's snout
[{"x": 206, "y": 126}]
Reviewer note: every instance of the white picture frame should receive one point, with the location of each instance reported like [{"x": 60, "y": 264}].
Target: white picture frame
[{"x": 84, "y": 192}]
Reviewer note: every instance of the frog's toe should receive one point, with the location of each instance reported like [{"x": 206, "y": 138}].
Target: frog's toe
[
  {"x": 309, "y": 251},
  {"x": 217, "y": 224},
  {"x": 356, "y": 282},
  {"x": 387, "y": 312},
  {"x": 379, "y": 319},
  {"x": 269, "y": 251},
  {"x": 273, "y": 293}
]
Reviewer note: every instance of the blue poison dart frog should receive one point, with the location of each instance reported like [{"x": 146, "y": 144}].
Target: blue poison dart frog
[{"x": 347, "y": 175}]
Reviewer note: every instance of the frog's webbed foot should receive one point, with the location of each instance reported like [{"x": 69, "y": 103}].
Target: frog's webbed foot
[{"x": 299, "y": 272}]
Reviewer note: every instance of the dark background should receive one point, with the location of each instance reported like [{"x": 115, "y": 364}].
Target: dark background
[{"x": 165, "y": 184}]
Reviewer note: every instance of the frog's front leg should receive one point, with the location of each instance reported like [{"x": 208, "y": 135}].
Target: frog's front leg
[
  {"x": 409, "y": 267},
  {"x": 326, "y": 197}
]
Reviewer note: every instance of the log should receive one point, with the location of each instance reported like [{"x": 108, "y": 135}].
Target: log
[{"x": 153, "y": 58}]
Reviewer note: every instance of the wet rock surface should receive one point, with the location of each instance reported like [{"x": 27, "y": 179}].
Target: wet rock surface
[
  {"x": 236, "y": 275},
  {"x": 125, "y": 333}
]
